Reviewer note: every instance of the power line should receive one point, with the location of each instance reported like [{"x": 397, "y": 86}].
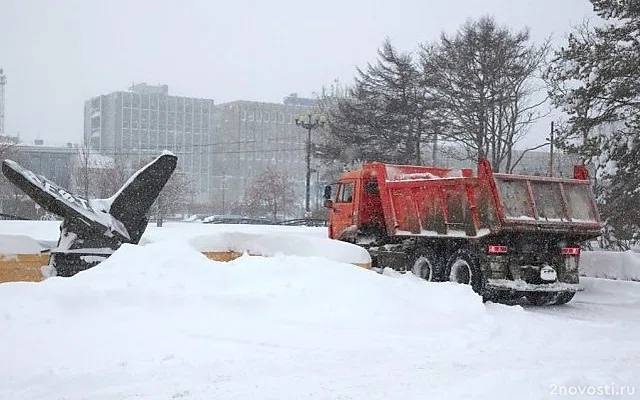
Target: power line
[{"x": 155, "y": 151}]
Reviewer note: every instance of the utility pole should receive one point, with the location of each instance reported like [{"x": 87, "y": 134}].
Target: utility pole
[
  {"x": 3, "y": 82},
  {"x": 224, "y": 175},
  {"x": 309, "y": 122},
  {"x": 317, "y": 189},
  {"x": 551, "y": 151}
]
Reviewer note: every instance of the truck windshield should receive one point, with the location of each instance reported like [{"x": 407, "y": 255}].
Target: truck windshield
[{"x": 548, "y": 201}]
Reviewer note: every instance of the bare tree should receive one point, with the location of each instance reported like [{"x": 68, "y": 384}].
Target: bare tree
[
  {"x": 485, "y": 76},
  {"x": 13, "y": 201},
  {"x": 173, "y": 198},
  {"x": 271, "y": 193},
  {"x": 82, "y": 171},
  {"x": 107, "y": 180},
  {"x": 96, "y": 175}
]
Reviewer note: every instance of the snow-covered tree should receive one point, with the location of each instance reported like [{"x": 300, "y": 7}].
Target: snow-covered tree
[{"x": 595, "y": 80}]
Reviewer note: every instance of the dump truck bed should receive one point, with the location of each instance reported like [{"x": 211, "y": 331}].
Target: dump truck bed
[{"x": 426, "y": 201}]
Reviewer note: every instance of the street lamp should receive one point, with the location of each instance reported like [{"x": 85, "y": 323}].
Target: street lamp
[
  {"x": 550, "y": 139},
  {"x": 309, "y": 122}
]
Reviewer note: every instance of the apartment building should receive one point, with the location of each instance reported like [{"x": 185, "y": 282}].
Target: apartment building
[
  {"x": 251, "y": 136},
  {"x": 136, "y": 125}
]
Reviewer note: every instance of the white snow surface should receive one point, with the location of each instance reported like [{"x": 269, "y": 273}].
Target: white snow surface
[
  {"x": 20, "y": 244},
  {"x": 161, "y": 321},
  {"x": 272, "y": 244},
  {"x": 395, "y": 173}
]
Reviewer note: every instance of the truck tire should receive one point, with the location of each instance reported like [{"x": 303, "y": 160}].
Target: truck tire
[
  {"x": 425, "y": 265},
  {"x": 542, "y": 298},
  {"x": 463, "y": 268}
]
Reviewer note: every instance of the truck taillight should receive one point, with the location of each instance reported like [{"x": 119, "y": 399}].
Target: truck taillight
[
  {"x": 496, "y": 249},
  {"x": 570, "y": 251}
]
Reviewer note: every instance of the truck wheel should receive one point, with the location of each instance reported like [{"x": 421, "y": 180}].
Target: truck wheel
[
  {"x": 542, "y": 298},
  {"x": 462, "y": 268},
  {"x": 565, "y": 297},
  {"x": 424, "y": 265}
]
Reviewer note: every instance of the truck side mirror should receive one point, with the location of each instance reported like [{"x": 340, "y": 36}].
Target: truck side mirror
[
  {"x": 328, "y": 203},
  {"x": 327, "y": 192}
]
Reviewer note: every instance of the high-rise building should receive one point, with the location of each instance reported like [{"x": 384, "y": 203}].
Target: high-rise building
[
  {"x": 134, "y": 126},
  {"x": 221, "y": 148},
  {"x": 252, "y": 136}
]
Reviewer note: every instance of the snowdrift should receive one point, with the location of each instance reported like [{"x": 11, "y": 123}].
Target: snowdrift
[
  {"x": 163, "y": 321},
  {"x": 22, "y": 257},
  {"x": 611, "y": 265},
  {"x": 229, "y": 245},
  {"x": 291, "y": 288},
  {"x": 147, "y": 307},
  {"x": 21, "y": 244}
]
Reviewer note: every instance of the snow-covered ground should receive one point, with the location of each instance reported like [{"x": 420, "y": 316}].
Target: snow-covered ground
[{"x": 161, "y": 321}]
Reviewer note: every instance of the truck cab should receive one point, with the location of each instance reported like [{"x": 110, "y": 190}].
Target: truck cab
[{"x": 356, "y": 209}]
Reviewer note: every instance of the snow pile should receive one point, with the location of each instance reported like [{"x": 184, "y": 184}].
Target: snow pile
[
  {"x": 272, "y": 244},
  {"x": 20, "y": 244},
  {"x": 611, "y": 265},
  {"x": 162, "y": 321},
  {"x": 285, "y": 288},
  {"x": 147, "y": 311},
  {"x": 186, "y": 230},
  {"x": 38, "y": 230},
  {"x": 400, "y": 173}
]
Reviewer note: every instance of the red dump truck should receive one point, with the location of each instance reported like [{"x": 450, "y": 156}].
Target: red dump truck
[{"x": 506, "y": 235}]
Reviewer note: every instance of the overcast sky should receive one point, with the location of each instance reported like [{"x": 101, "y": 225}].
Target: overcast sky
[{"x": 58, "y": 53}]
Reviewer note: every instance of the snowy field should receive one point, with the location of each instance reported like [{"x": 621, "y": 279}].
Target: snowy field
[{"x": 161, "y": 321}]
